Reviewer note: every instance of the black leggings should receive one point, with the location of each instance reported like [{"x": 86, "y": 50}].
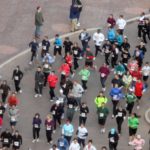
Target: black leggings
[
  {"x": 36, "y": 132},
  {"x": 57, "y": 119},
  {"x": 49, "y": 135}
]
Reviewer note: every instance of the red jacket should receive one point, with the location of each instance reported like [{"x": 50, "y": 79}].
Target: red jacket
[
  {"x": 52, "y": 80},
  {"x": 65, "y": 69},
  {"x": 136, "y": 74},
  {"x": 68, "y": 59},
  {"x": 1, "y": 121},
  {"x": 12, "y": 100},
  {"x": 138, "y": 88}
]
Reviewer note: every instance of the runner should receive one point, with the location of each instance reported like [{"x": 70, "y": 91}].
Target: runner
[
  {"x": 67, "y": 44},
  {"x": 45, "y": 46},
  {"x": 16, "y": 141},
  {"x": 74, "y": 145},
  {"x": 90, "y": 145},
  {"x": 36, "y": 123},
  {"x": 62, "y": 143}
]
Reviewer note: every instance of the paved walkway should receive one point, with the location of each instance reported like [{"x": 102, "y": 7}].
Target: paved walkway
[
  {"x": 43, "y": 105},
  {"x": 17, "y": 19}
]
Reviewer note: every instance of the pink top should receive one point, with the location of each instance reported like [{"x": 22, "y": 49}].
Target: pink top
[{"x": 138, "y": 143}]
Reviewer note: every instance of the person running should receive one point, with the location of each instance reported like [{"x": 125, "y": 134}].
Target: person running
[
  {"x": 67, "y": 44},
  {"x": 137, "y": 143},
  {"x": 17, "y": 77},
  {"x": 98, "y": 39},
  {"x": 71, "y": 105},
  {"x": 5, "y": 90},
  {"x": 90, "y": 145},
  {"x": 62, "y": 143},
  {"x": 46, "y": 71},
  {"x": 49, "y": 125},
  {"x": 52, "y": 80},
  {"x": 127, "y": 79},
  {"x": 76, "y": 50},
  {"x": 67, "y": 131},
  {"x": 6, "y": 138},
  {"x": 119, "y": 69},
  {"x": 104, "y": 72},
  {"x": 16, "y": 140},
  {"x": 77, "y": 92},
  {"x": 34, "y": 49},
  {"x": 121, "y": 23},
  {"x": 36, "y": 123},
  {"x": 113, "y": 139},
  {"x": 82, "y": 134},
  {"x": 130, "y": 100},
  {"x": 146, "y": 30},
  {"x": 39, "y": 20},
  {"x": 57, "y": 45},
  {"x": 57, "y": 110},
  {"x": 84, "y": 110},
  {"x": 116, "y": 96},
  {"x": 39, "y": 80},
  {"x": 2, "y": 110},
  {"x": 101, "y": 98},
  {"x": 74, "y": 145},
  {"x": 120, "y": 117},
  {"x": 133, "y": 123},
  {"x": 45, "y": 46},
  {"x": 84, "y": 37},
  {"x": 102, "y": 113},
  {"x": 85, "y": 74},
  {"x": 111, "y": 20},
  {"x": 13, "y": 114}
]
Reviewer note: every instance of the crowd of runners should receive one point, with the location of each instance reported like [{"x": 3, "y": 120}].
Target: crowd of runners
[{"x": 129, "y": 72}]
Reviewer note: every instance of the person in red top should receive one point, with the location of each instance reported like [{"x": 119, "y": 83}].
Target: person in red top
[
  {"x": 69, "y": 61},
  {"x": 1, "y": 123},
  {"x": 139, "y": 86},
  {"x": 104, "y": 72},
  {"x": 65, "y": 72},
  {"x": 111, "y": 20},
  {"x": 52, "y": 80},
  {"x": 12, "y": 100}
]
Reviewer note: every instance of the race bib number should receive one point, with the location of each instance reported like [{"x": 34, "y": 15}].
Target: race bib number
[
  {"x": 61, "y": 144},
  {"x": 57, "y": 46},
  {"x": 101, "y": 114},
  {"x": 13, "y": 119},
  {"x": 53, "y": 112},
  {"x": 16, "y": 143},
  {"x": 115, "y": 97},
  {"x": 120, "y": 114},
  {"x": 46, "y": 66},
  {"x": 70, "y": 106},
  {"x": 1, "y": 112},
  {"x": 5, "y": 140},
  {"x": 112, "y": 140},
  {"x": 63, "y": 73},
  {"x": 36, "y": 126},
  {"x": 83, "y": 115},
  {"x": 44, "y": 48},
  {"x": 102, "y": 75},
  {"x": 16, "y": 78},
  {"x": 48, "y": 128},
  {"x": 75, "y": 52}
]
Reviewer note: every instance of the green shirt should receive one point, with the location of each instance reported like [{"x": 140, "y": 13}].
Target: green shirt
[
  {"x": 130, "y": 97},
  {"x": 85, "y": 73},
  {"x": 133, "y": 122},
  {"x": 102, "y": 112}
]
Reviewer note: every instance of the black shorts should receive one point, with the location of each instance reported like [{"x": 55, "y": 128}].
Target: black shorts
[
  {"x": 132, "y": 131},
  {"x": 90, "y": 64},
  {"x": 13, "y": 123},
  {"x": 138, "y": 97},
  {"x": 145, "y": 78},
  {"x": 101, "y": 121}
]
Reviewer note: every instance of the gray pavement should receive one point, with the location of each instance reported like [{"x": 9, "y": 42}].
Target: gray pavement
[
  {"x": 17, "y": 19},
  {"x": 29, "y": 105}
]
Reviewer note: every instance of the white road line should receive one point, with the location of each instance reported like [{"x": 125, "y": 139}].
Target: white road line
[{"x": 62, "y": 36}]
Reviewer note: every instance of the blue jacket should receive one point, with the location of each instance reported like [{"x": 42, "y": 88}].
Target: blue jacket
[
  {"x": 111, "y": 34},
  {"x": 116, "y": 93},
  {"x": 62, "y": 144},
  {"x": 74, "y": 12},
  {"x": 119, "y": 39},
  {"x": 58, "y": 42}
]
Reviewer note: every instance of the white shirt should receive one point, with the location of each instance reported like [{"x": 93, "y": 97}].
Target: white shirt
[
  {"x": 121, "y": 23},
  {"x": 98, "y": 38},
  {"x": 52, "y": 149},
  {"x": 91, "y": 148},
  {"x": 77, "y": 90},
  {"x": 82, "y": 132},
  {"x": 146, "y": 70},
  {"x": 74, "y": 146}
]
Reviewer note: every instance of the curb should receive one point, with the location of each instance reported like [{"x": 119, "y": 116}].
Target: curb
[
  {"x": 62, "y": 36},
  {"x": 147, "y": 116}
]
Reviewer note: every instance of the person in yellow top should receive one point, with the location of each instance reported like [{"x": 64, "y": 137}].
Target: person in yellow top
[{"x": 101, "y": 98}]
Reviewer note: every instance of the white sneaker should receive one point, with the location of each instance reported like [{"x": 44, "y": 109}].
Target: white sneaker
[
  {"x": 36, "y": 95},
  {"x": 103, "y": 130},
  {"x": 104, "y": 89},
  {"x": 30, "y": 63},
  {"x": 112, "y": 116},
  {"x": 40, "y": 95},
  {"x": 51, "y": 142},
  {"x": 37, "y": 140},
  {"x": 51, "y": 100},
  {"x": 20, "y": 91},
  {"x": 33, "y": 141},
  {"x": 78, "y": 24},
  {"x": 54, "y": 131},
  {"x": 138, "y": 107}
]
